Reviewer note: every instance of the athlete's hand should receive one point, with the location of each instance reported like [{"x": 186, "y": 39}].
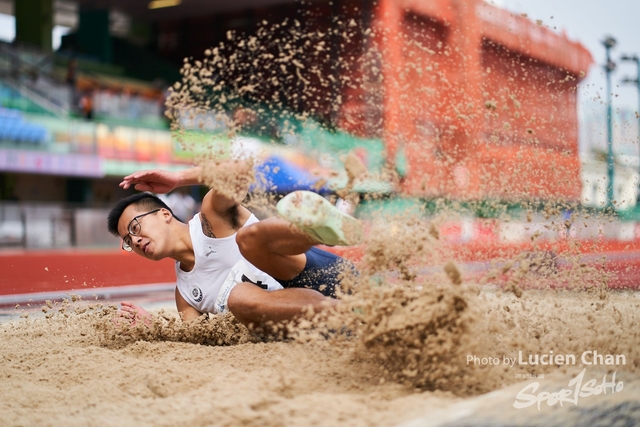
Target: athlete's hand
[
  {"x": 157, "y": 181},
  {"x": 133, "y": 315}
]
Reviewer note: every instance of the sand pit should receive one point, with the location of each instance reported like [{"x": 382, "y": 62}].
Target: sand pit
[
  {"x": 59, "y": 371},
  {"x": 74, "y": 368}
]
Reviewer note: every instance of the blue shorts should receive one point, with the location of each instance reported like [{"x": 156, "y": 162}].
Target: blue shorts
[{"x": 322, "y": 272}]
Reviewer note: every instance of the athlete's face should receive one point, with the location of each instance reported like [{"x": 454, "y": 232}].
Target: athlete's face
[{"x": 145, "y": 232}]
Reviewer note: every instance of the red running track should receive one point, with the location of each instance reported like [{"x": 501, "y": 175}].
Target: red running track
[
  {"x": 24, "y": 272},
  {"x": 61, "y": 270}
]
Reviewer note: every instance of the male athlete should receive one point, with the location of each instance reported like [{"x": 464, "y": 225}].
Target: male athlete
[{"x": 227, "y": 260}]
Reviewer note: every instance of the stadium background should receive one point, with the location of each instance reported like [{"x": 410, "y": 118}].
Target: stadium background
[{"x": 74, "y": 120}]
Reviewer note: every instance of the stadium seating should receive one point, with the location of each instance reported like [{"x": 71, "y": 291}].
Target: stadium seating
[{"x": 13, "y": 128}]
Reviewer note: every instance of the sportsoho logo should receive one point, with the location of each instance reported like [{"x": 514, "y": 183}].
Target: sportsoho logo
[{"x": 577, "y": 389}]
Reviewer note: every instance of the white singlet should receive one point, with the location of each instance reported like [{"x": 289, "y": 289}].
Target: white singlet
[{"x": 219, "y": 266}]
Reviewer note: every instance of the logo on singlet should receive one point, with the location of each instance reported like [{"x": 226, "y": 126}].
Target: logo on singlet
[
  {"x": 196, "y": 293},
  {"x": 258, "y": 283},
  {"x": 211, "y": 251}
]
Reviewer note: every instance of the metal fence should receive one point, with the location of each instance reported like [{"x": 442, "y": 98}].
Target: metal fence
[{"x": 38, "y": 225}]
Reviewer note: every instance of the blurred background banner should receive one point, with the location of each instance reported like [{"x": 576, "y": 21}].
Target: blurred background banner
[{"x": 51, "y": 163}]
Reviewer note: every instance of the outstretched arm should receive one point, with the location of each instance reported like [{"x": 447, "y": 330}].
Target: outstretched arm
[
  {"x": 159, "y": 181},
  {"x": 229, "y": 181}
]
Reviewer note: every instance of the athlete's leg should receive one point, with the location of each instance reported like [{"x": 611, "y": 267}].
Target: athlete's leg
[
  {"x": 253, "y": 305},
  {"x": 275, "y": 246}
]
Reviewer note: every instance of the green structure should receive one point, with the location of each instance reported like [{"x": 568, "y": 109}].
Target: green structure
[
  {"x": 34, "y": 22},
  {"x": 93, "y": 34}
]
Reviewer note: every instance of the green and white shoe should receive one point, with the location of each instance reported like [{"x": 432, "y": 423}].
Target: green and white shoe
[{"x": 317, "y": 217}]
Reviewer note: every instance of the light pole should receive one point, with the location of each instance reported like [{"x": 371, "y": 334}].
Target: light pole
[
  {"x": 636, "y": 81},
  {"x": 609, "y": 43}
]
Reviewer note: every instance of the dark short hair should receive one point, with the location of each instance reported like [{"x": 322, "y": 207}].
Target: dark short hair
[{"x": 142, "y": 201}]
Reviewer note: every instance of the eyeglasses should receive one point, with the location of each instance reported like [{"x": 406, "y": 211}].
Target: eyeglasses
[{"x": 134, "y": 229}]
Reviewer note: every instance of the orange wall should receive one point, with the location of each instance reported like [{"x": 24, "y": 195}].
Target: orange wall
[{"x": 483, "y": 103}]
